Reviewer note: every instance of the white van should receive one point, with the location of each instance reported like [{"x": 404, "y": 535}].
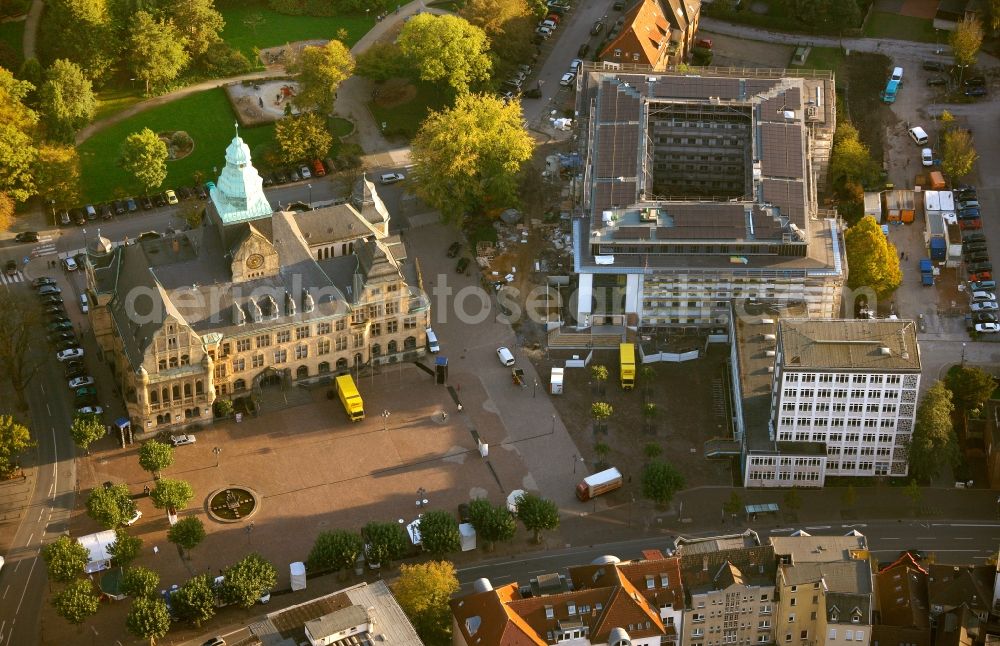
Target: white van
[
  {"x": 982, "y": 297},
  {"x": 84, "y": 304},
  {"x": 432, "y": 342},
  {"x": 505, "y": 355},
  {"x": 918, "y": 135},
  {"x": 897, "y": 74}
]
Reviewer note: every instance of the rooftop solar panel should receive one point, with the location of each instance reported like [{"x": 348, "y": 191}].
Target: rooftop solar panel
[
  {"x": 617, "y": 151},
  {"x": 781, "y": 149}
]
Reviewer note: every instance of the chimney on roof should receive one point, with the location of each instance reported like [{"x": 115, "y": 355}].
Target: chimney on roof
[
  {"x": 255, "y": 313},
  {"x": 289, "y": 304},
  {"x": 308, "y": 304}
]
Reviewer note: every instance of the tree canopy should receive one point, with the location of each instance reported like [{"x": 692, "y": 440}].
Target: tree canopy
[
  {"x": 171, "y": 494},
  {"x": 872, "y": 258},
  {"x": 85, "y": 430},
  {"x": 144, "y": 156},
  {"x": 111, "y": 506},
  {"x": 14, "y": 440},
  {"x": 140, "y": 581},
  {"x": 126, "y": 547},
  {"x": 57, "y": 175},
  {"x": 155, "y": 456},
  {"x": 423, "y": 591},
  {"x": 76, "y": 602},
  {"x": 195, "y": 601},
  {"x": 65, "y": 559},
  {"x": 537, "y": 514},
  {"x": 493, "y": 523},
  {"x": 335, "y": 550},
  {"x": 148, "y": 618},
  {"x": 446, "y": 49},
  {"x": 303, "y": 136},
  {"x": 970, "y": 386},
  {"x": 966, "y": 40},
  {"x": 247, "y": 580},
  {"x": 468, "y": 156},
  {"x": 851, "y": 160},
  {"x": 439, "y": 533},
  {"x": 381, "y": 62},
  {"x": 492, "y": 16},
  {"x": 384, "y": 542},
  {"x": 934, "y": 442},
  {"x": 198, "y": 22},
  {"x": 155, "y": 50},
  {"x": 66, "y": 100},
  {"x": 320, "y": 70},
  {"x": 187, "y": 533},
  {"x": 958, "y": 154},
  {"x": 660, "y": 481}
]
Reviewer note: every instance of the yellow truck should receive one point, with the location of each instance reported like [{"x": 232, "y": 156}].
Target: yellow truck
[
  {"x": 626, "y": 357},
  {"x": 350, "y": 398}
]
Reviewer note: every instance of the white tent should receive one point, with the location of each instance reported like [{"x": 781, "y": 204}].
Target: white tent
[
  {"x": 413, "y": 530},
  {"x": 468, "y": 536},
  {"x": 97, "y": 544},
  {"x": 298, "y": 573},
  {"x": 513, "y": 499}
]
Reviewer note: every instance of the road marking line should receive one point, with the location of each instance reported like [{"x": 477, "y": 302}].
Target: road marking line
[
  {"x": 47, "y": 409},
  {"x": 17, "y": 566},
  {"x": 964, "y": 525},
  {"x": 55, "y": 461},
  {"x": 819, "y": 527},
  {"x": 963, "y": 538},
  {"x": 890, "y": 538},
  {"x": 25, "y": 591},
  {"x": 29, "y": 539},
  {"x": 5, "y": 591}
]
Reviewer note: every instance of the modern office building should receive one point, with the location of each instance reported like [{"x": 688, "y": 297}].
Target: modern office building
[{"x": 699, "y": 191}]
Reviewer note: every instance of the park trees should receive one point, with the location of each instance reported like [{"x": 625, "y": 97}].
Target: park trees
[
  {"x": 446, "y": 48},
  {"x": 934, "y": 441},
  {"x": 65, "y": 559},
  {"x": 492, "y": 16},
  {"x": 17, "y": 130},
  {"x": 198, "y": 22},
  {"x": 601, "y": 412},
  {"x": 599, "y": 374},
  {"x": 247, "y": 580},
  {"x": 303, "y": 136},
  {"x": 335, "y": 550},
  {"x": 423, "y": 591},
  {"x": 660, "y": 481},
  {"x": 320, "y": 71},
  {"x": 439, "y": 533},
  {"x": 873, "y": 260},
  {"x": 384, "y": 542},
  {"x": 155, "y": 50},
  {"x": 966, "y": 39},
  {"x": 66, "y": 100},
  {"x": 148, "y": 618},
  {"x": 6, "y": 211},
  {"x": 111, "y": 506},
  {"x": 538, "y": 514},
  {"x": 76, "y": 601},
  {"x": 15, "y": 439},
  {"x": 144, "y": 156},
  {"x": 194, "y": 602},
  {"x": 381, "y": 62},
  {"x": 126, "y": 547},
  {"x": 171, "y": 494},
  {"x": 82, "y": 31},
  {"x": 493, "y": 523},
  {"x": 187, "y": 533},
  {"x": 468, "y": 156},
  {"x": 970, "y": 386},
  {"x": 958, "y": 154},
  {"x": 155, "y": 456},
  {"x": 85, "y": 430},
  {"x": 140, "y": 581},
  {"x": 57, "y": 175}
]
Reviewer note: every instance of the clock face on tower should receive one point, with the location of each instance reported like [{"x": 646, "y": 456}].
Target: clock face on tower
[{"x": 255, "y": 261}]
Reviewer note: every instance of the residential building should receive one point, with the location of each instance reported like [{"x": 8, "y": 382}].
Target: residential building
[
  {"x": 598, "y": 604},
  {"x": 653, "y": 33},
  {"x": 361, "y": 615},
  {"x": 902, "y": 608},
  {"x": 952, "y": 588},
  {"x": 250, "y": 300},
  {"x": 700, "y": 192},
  {"x": 729, "y": 595}
]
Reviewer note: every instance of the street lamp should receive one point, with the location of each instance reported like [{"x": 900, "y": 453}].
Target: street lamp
[
  {"x": 385, "y": 419},
  {"x": 576, "y": 459},
  {"x": 963, "y": 355},
  {"x": 310, "y": 187},
  {"x": 217, "y": 451},
  {"x": 553, "y": 424},
  {"x": 249, "y": 531},
  {"x": 534, "y": 389}
]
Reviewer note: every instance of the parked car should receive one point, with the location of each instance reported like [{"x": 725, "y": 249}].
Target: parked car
[
  {"x": 934, "y": 66},
  {"x": 597, "y": 28},
  {"x": 390, "y": 178},
  {"x": 975, "y": 81},
  {"x": 971, "y": 203},
  {"x": 27, "y": 236},
  {"x": 984, "y": 317},
  {"x": 987, "y": 306},
  {"x": 59, "y": 327},
  {"x": 146, "y": 202},
  {"x": 618, "y": 6},
  {"x": 80, "y": 382},
  {"x": 85, "y": 391},
  {"x": 293, "y": 175},
  {"x": 987, "y": 328},
  {"x": 927, "y": 157},
  {"x": 318, "y": 169},
  {"x": 69, "y": 264},
  {"x": 970, "y": 212},
  {"x": 184, "y": 193},
  {"x": 463, "y": 264},
  {"x": 454, "y": 249},
  {"x": 73, "y": 353},
  {"x": 90, "y": 211},
  {"x": 567, "y": 79},
  {"x": 181, "y": 440},
  {"x": 705, "y": 43},
  {"x": 131, "y": 206},
  {"x": 79, "y": 217},
  {"x": 505, "y": 355},
  {"x": 976, "y": 90},
  {"x": 46, "y": 290},
  {"x": 975, "y": 223},
  {"x": 918, "y": 135},
  {"x": 159, "y": 200},
  {"x": 936, "y": 81},
  {"x": 64, "y": 219},
  {"x": 59, "y": 337},
  {"x": 977, "y": 256},
  {"x": 107, "y": 212},
  {"x": 120, "y": 207},
  {"x": 10, "y": 267},
  {"x": 170, "y": 196},
  {"x": 42, "y": 281},
  {"x": 73, "y": 366},
  {"x": 983, "y": 286},
  {"x": 584, "y": 49},
  {"x": 972, "y": 247},
  {"x": 974, "y": 237},
  {"x": 532, "y": 93},
  {"x": 89, "y": 410},
  {"x": 304, "y": 172},
  {"x": 982, "y": 296}
]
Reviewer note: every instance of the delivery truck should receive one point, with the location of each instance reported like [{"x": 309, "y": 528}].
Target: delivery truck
[
  {"x": 599, "y": 483},
  {"x": 626, "y": 356},
  {"x": 350, "y": 398}
]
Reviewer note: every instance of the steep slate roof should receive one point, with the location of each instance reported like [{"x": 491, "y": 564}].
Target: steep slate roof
[
  {"x": 841, "y": 608},
  {"x": 701, "y": 571},
  {"x": 951, "y": 586},
  {"x": 645, "y": 32},
  {"x": 853, "y": 577}
]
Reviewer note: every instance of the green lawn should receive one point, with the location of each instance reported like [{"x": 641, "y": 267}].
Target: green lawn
[
  {"x": 112, "y": 100},
  {"x": 825, "y": 58},
  {"x": 12, "y": 33},
  {"x": 206, "y": 116},
  {"x": 278, "y": 29},
  {"x": 340, "y": 127},
  {"x": 406, "y": 118},
  {"x": 890, "y": 25}
]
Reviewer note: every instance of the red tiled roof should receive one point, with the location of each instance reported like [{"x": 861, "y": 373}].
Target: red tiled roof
[
  {"x": 492, "y": 623},
  {"x": 645, "y": 32}
]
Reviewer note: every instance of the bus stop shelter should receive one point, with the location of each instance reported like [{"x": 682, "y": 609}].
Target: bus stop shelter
[{"x": 766, "y": 508}]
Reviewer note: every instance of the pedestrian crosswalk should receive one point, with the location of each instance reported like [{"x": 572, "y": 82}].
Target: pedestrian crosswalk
[
  {"x": 46, "y": 246},
  {"x": 10, "y": 279}
]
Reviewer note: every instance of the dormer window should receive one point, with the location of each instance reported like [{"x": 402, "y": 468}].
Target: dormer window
[
  {"x": 650, "y": 582},
  {"x": 635, "y": 57},
  {"x": 618, "y": 53},
  {"x": 856, "y": 618},
  {"x": 664, "y": 581},
  {"x": 571, "y": 608},
  {"x": 549, "y": 612}
]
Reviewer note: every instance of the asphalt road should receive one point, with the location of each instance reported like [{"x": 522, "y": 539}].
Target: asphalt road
[{"x": 952, "y": 542}]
